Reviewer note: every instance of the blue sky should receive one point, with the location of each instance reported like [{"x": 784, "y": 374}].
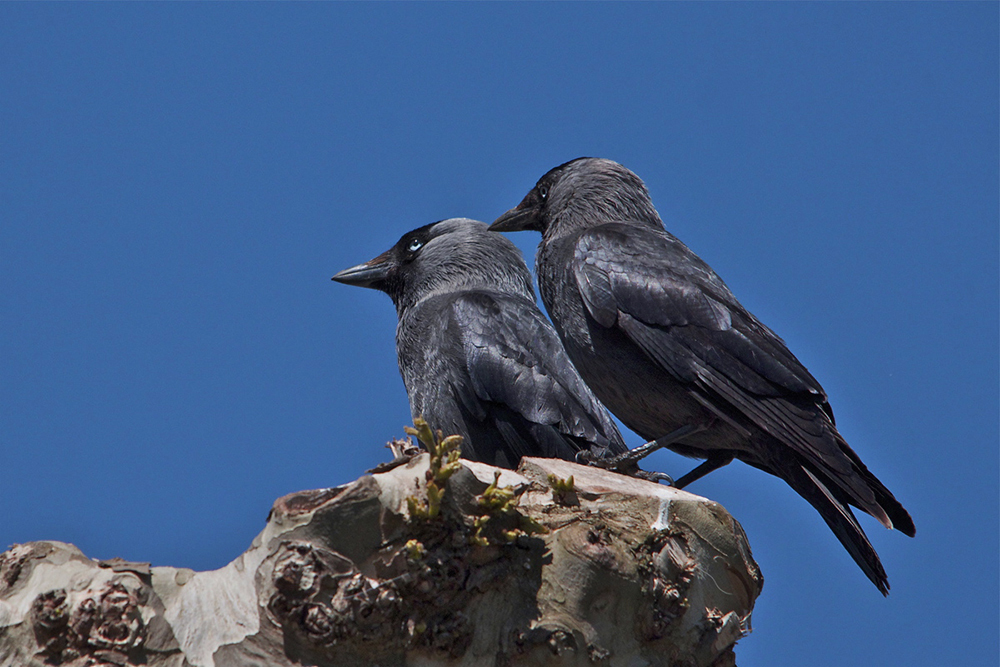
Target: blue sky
[{"x": 178, "y": 183}]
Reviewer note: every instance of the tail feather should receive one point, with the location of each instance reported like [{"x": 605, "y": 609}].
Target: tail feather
[
  {"x": 897, "y": 515},
  {"x": 838, "y": 516}
]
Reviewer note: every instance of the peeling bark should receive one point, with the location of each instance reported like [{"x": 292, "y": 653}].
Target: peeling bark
[{"x": 607, "y": 571}]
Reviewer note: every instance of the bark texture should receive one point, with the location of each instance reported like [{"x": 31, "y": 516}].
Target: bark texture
[{"x": 522, "y": 569}]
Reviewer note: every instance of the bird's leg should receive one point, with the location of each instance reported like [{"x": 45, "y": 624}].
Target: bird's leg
[
  {"x": 714, "y": 462},
  {"x": 628, "y": 463}
]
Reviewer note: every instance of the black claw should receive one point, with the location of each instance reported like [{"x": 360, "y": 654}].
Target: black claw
[{"x": 655, "y": 477}]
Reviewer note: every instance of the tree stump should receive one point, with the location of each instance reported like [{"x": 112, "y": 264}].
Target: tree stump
[{"x": 518, "y": 568}]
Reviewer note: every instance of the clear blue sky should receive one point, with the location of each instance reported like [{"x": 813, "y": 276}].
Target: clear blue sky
[{"x": 178, "y": 182}]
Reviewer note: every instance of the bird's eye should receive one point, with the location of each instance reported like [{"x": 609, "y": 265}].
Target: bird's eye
[
  {"x": 543, "y": 191},
  {"x": 415, "y": 245}
]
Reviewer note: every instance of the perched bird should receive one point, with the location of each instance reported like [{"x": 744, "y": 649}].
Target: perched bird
[
  {"x": 670, "y": 351},
  {"x": 477, "y": 356}
]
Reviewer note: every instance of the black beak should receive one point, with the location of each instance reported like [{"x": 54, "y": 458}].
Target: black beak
[
  {"x": 524, "y": 216},
  {"x": 370, "y": 274}
]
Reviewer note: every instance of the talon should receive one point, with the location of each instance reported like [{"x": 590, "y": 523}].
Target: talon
[{"x": 655, "y": 477}]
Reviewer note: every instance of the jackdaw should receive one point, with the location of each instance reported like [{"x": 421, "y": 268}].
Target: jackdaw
[
  {"x": 666, "y": 346},
  {"x": 477, "y": 356}
]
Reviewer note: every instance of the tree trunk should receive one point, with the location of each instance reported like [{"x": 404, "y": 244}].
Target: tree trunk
[{"x": 523, "y": 569}]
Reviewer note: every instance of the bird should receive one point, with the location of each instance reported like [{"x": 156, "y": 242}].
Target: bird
[
  {"x": 477, "y": 356},
  {"x": 665, "y": 345}
]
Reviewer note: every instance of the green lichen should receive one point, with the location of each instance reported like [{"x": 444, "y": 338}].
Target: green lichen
[
  {"x": 498, "y": 502},
  {"x": 560, "y": 485},
  {"x": 496, "y": 499},
  {"x": 563, "y": 490},
  {"x": 531, "y": 527},
  {"x": 415, "y": 550},
  {"x": 444, "y": 452},
  {"x": 477, "y": 539}
]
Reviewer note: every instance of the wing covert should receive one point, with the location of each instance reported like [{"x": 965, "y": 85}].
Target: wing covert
[
  {"x": 656, "y": 280},
  {"x": 515, "y": 359},
  {"x": 679, "y": 313}
]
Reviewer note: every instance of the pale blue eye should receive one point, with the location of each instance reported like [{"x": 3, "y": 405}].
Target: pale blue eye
[{"x": 415, "y": 245}]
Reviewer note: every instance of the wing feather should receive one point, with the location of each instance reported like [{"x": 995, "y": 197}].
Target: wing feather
[
  {"x": 681, "y": 314},
  {"x": 517, "y": 365}
]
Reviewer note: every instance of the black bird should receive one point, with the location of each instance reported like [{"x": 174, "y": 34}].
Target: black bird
[
  {"x": 670, "y": 351},
  {"x": 476, "y": 354}
]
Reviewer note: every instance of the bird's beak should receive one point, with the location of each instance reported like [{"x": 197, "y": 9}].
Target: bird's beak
[
  {"x": 524, "y": 216},
  {"x": 369, "y": 274}
]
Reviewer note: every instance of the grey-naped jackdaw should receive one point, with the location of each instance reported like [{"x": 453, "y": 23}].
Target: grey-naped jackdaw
[
  {"x": 477, "y": 356},
  {"x": 670, "y": 351}
]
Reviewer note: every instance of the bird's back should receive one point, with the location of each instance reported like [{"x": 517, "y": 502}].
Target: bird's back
[{"x": 488, "y": 366}]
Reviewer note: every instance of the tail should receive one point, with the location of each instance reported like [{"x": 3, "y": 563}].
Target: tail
[
  {"x": 898, "y": 517},
  {"x": 828, "y": 500}
]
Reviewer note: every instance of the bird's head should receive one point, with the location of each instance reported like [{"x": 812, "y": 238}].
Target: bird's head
[
  {"x": 450, "y": 255},
  {"x": 581, "y": 193}
]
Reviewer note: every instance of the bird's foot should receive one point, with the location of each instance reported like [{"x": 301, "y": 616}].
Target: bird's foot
[
  {"x": 633, "y": 456},
  {"x": 628, "y": 463},
  {"x": 625, "y": 467}
]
